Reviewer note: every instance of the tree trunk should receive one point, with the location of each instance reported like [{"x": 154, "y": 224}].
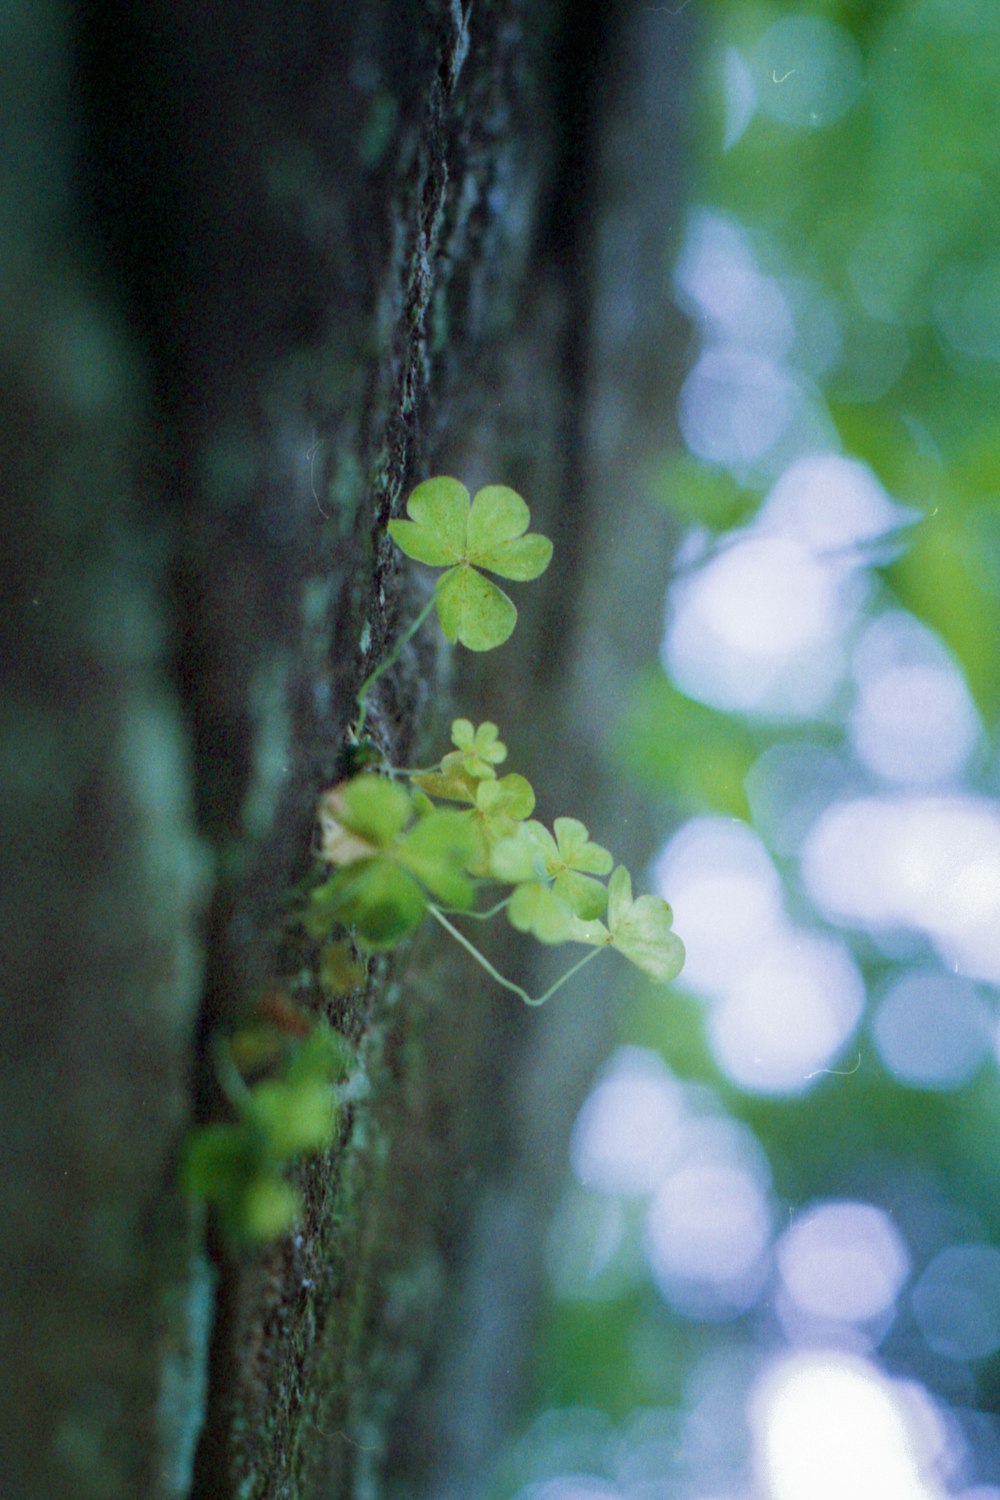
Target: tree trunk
[{"x": 266, "y": 267}]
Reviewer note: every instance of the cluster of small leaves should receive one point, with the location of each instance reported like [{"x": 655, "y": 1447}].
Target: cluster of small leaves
[
  {"x": 389, "y": 857},
  {"x": 282, "y": 1091},
  {"x": 395, "y": 853}
]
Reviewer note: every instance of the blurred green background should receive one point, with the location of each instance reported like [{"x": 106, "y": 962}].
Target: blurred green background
[{"x": 775, "y": 1271}]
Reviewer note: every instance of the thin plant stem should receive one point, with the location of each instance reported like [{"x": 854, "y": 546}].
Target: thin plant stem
[
  {"x": 477, "y": 916},
  {"x": 509, "y": 984},
  {"x": 389, "y": 661}
]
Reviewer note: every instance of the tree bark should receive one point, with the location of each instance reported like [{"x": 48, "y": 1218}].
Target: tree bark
[{"x": 267, "y": 267}]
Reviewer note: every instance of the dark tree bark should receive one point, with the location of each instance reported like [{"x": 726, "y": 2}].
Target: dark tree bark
[{"x": 266, "y": 267}]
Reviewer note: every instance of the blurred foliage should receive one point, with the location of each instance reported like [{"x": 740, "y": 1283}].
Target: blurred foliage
[
  {"x": 888, "y": 216},
  {"x": 282, "y": 1091},
  {"x": 686, "y": 752},
  {"x": 885, "y": 208}
]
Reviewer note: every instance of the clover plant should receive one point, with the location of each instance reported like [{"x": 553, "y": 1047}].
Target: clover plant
[
  {"x": 396, "y": 855},
  {"x": 392, "y": 855}
]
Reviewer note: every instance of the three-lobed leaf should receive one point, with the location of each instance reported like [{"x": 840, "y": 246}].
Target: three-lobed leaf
[
  {"x": 569, "y": 860},
  {"x": 640, "y": 928},
  {"x": 477, "y": 752},
  {"x": 576, "y": 850},
  {"x": 447, "y": 530}
]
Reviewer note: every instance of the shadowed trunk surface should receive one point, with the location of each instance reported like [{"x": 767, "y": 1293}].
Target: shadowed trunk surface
[{"x": 265, "y": 268}]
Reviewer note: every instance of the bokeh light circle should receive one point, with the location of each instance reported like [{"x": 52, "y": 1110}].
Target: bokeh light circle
[
  {"x": 735, "y": 405},
  {"x": 933, "y": 1030},
  {"x": 786, "y": 1014},
  {"x": 624, "y": 1130},
  {"x": 956, "y": 1302},
  {"x": 831, "y": 1426},
  {"x": 808, "y": 71},
  {"x": 843, "y": 1261}
]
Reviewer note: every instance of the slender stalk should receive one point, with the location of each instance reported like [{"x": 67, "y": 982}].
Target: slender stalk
[
  {"x": 509, "y": 984},
  {"x": 477, "y": 916},
  {"x": 387, "y": 662}
]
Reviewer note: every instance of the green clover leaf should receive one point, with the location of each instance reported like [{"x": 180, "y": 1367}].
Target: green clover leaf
[
  {"x": 473, "y": 610},
  {"x": 641, "y": 930},
  {"x": 219, "y": 1161},
  {"x": 478, "y": 751},
  {"x": 569, "y": 860},
  {"x": 437, "y": 530},
  {"x": 382, "y": 902},
  {"x": 237, "y": 1167},
  {"x": 270, "y": 1206},
  {"x": 361, "y": 816},
  {"x": 223, "y": 1166},
  {"x": 445, "y": 530},
  {"x": 577, "y": 852},
  {"x": 514, "y": 858},
  {"x": 452, "y": 785},
  {"x": 437, "y": 850},
  {"x": 297, "y": 1116},
  {"x": 500, "y": 806}
]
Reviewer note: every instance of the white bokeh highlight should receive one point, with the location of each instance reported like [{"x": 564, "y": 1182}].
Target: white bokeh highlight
[
  {"x": 927, "y": 864},
  {"x": 719, "y": 285},
  {"x": 828, "y": 1426},
  {"x": 784, "y": 1002},
  {"x": 755, "y": 629},
  {"x": 726, "y": 897},
  {"x": 786, "y": 1016},
  {"x": 808, "y": 71},
  {"x": 913, "y": 721},
  {"x": 709, "y": 1225},
  {"x": 830, "y": 503},
  {"x": 735, "y": 405},
  {"x": 739, "y": 95},
  {"x": 626, "y": 1129},
  {"x": 843, "y": 1262},
  {"x": 763, "y": 625}
]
